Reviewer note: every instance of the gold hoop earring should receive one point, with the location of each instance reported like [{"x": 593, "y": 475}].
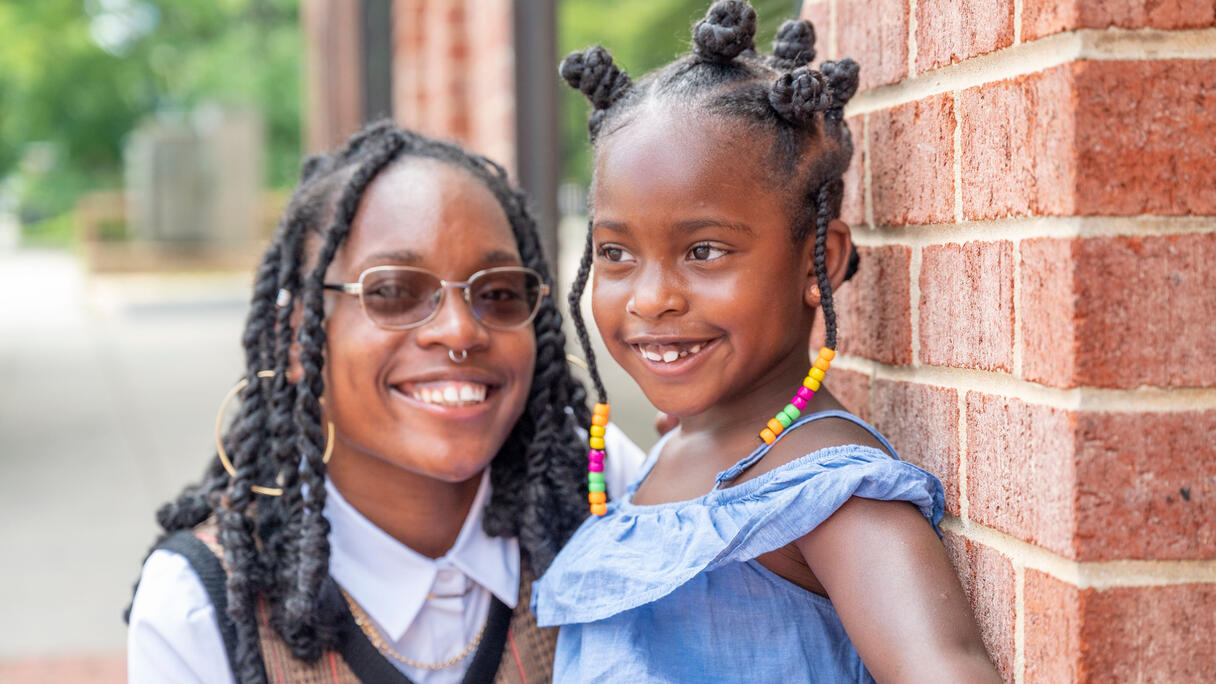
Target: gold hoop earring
[{"x": 219, "y": 439}]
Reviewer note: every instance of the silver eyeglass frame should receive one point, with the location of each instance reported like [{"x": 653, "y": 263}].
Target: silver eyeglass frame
[{"x": 356, "y": 289}]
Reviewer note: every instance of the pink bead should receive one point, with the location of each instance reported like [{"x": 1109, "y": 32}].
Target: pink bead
[
  {"x": 805, "y": 393},
  {"x": 596, "y": 456},
  {"x": 798, "y": 402},
  {"x": 595, "y": 467}
]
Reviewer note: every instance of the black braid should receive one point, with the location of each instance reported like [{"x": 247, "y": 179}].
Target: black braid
[
  {"x": 823, "y": 217},
  {"x": 576, "y": 316},
  {"x": 278, "y": 549}
]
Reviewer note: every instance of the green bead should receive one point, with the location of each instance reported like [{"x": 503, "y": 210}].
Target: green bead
[
  {"x": 595, "y": 477},
  {"x": 595, "y": 486},
  {"x": 791, "y": 411},
  {"x": 784, "y": 419}
]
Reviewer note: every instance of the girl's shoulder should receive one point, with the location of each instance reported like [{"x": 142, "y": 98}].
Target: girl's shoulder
[{"x": 645, "y": 552}]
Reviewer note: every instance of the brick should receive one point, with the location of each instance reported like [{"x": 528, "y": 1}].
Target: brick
[
  {"x": 853, "y": 207},
  {"x": 988, "y": 580},
  {"x": 1020, "y": 470},
  {"x": 949, "y": 31},
  {"x": 874, "y": 308},
  {"x": 819, "y": 13},
  {"x": 875, "y": 33},
  {"x": 1141, "y": 634},
  {"x": 1044, "y": 17},
  {"x": 1132, "y": 119},
  {"x": 966, "y": 305},
  {"x": 1119, "y": 312},
  {"x": 852, "y": 389},
  {"x": 912, "y": 162},
  {"x": 921, "y": 422},
  {"x": 1146, "y": 485},
  {"x": 1017, "y": 146}
]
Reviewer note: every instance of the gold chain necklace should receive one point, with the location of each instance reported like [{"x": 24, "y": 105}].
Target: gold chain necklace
[{"x": 373, "y": 635}]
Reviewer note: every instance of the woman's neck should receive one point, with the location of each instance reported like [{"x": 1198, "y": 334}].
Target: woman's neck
[{"x": 421, "y": 512}]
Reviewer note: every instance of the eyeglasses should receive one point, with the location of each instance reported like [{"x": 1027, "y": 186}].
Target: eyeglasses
[{"x": 404, "y": 297}]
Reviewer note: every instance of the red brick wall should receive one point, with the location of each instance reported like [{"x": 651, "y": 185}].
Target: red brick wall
[
  {"x": 453, "y": 72},
  {"x": 1034, "y": 199}
]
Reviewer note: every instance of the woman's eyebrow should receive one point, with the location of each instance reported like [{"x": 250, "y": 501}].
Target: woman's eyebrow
[{"x": 408, "y": 257}]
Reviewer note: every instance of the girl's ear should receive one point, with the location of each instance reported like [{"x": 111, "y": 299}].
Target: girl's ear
[{"x": 836, "y": 260}]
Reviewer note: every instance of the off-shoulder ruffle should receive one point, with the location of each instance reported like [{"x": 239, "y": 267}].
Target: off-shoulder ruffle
[{"x": 638, "y": 554}]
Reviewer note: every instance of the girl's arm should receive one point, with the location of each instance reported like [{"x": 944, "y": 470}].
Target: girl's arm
[
  {"x": 173, "y": 635},
  {"x": 890, "y": 581}
]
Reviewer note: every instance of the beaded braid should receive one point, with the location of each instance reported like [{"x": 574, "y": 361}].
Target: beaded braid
[
  {"x": 801, "y": 106},
  {"x": 278, "y": 548}
]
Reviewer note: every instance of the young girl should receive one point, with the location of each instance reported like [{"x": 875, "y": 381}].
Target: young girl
[
  {"x": 403, "y": 437},
  {"x": 772, "y": 536}
]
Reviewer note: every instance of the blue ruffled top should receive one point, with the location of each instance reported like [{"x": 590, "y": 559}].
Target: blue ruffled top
[{"x": 672, "y": 592}]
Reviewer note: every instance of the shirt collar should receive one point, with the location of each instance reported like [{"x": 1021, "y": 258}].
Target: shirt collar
[{"x": 390, "y": 581}]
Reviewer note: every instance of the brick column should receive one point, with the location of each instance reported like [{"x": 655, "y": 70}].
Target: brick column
[
  {"x": 1034, "y": 199},
  {"x": 333, "y": 90}
]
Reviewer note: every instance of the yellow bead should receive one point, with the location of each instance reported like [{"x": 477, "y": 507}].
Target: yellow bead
[
  {"x": 599, "y": 509},
  {"x": 768, "y": 436},
  {"x": 597, "y": 431},
  {"x": 822, "y": 364},
  {"x": 816, "y": 373},
  {"x": 599, "y": 420},
  {"x": 597, "y": 497},
  {"x": 596, "y": 442},
  {"x": 811, "y": 383},
  {"x": 602, "y": 410},
  {"x": 826, "y": 353},
  {"x": 775, "y": 426}
]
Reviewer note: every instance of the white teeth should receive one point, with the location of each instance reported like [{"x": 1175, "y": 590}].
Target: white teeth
[
  {"x": 694, "y": 349},
  {"x": 651, "y": 355},
  {"x": 452, "y": 393},
  {"x": 669, "y": 356},
  {"x": 668, "y": 353}
]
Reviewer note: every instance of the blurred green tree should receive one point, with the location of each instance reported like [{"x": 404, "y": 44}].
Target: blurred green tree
[
  {"x": 80, "y": 75},
  {"x": 641, "y": 35}
]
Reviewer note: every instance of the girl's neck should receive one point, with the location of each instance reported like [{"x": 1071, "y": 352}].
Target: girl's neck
[{"x": 421, "y": 512}]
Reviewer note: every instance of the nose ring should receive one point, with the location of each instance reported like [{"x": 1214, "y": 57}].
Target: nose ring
[{"x": 452, "y": 354}]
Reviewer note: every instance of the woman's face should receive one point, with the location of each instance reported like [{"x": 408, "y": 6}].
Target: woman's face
[{"x": 396, "y": 395}]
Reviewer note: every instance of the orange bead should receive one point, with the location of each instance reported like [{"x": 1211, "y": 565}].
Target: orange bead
[
  {"x": 768, "y": 436},
  {"x": 599, "y": 509},
  {"x": 775, "y": 426},
  {"x": 599, "y": 420},
  {"x": 822, "y": 363},
  {"x": 817, "y": 374},
  {"x": 597, "y": 497},
  {"x": 811, "y": 383},
  {"x": 597, "y": 430},
  {"x": 596, "y": 442},
  {"x": 601, "y": 410},
  {"x": 826, "y": 353}
]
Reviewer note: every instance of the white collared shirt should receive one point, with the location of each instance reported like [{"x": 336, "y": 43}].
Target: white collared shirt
[{"x": 173, "y": 635}]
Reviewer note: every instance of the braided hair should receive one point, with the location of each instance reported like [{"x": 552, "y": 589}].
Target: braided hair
[
  {"x": 798, "y": 108},
  {"x": 278, "y": 549}
]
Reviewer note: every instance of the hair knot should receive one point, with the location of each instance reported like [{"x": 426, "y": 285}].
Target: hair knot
[
  {"x": 728, "y": 29},
  {"x": 794, "y": 45},
  {"x": 593, "y": 73},
  {"x": 796, "y": 96},
  {"x": 842, "y": 80}
]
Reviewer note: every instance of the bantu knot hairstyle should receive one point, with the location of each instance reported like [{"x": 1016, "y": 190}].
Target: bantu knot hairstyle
[
  {"x": 277, "y": 550},
  {"x": 799, "y": 108}
]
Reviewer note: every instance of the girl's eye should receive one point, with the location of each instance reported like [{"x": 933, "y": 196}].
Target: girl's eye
[
  {"x": 706, "y": 252},
  {"x": 614, "y": 253}
]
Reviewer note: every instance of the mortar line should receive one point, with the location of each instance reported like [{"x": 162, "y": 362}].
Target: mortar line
[
  {"x": 1089, "y": 399},
  {"x": 964, "y": 505},
  {"x": 1019, "y": 622},
  {"x": 1017, "y": 309},
  {"x": 912, "y": 46},
  {"x": 1097, "y": 575},
  {"x": 1110, "y": 44},
  {"x": 1059, "y": 227},
  {"x": 1017, "y": 21}
]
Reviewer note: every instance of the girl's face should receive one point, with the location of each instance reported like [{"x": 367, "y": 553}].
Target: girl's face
[
  {"x": 698, "y": 292},
  {"x": 385, "y": 389}
]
